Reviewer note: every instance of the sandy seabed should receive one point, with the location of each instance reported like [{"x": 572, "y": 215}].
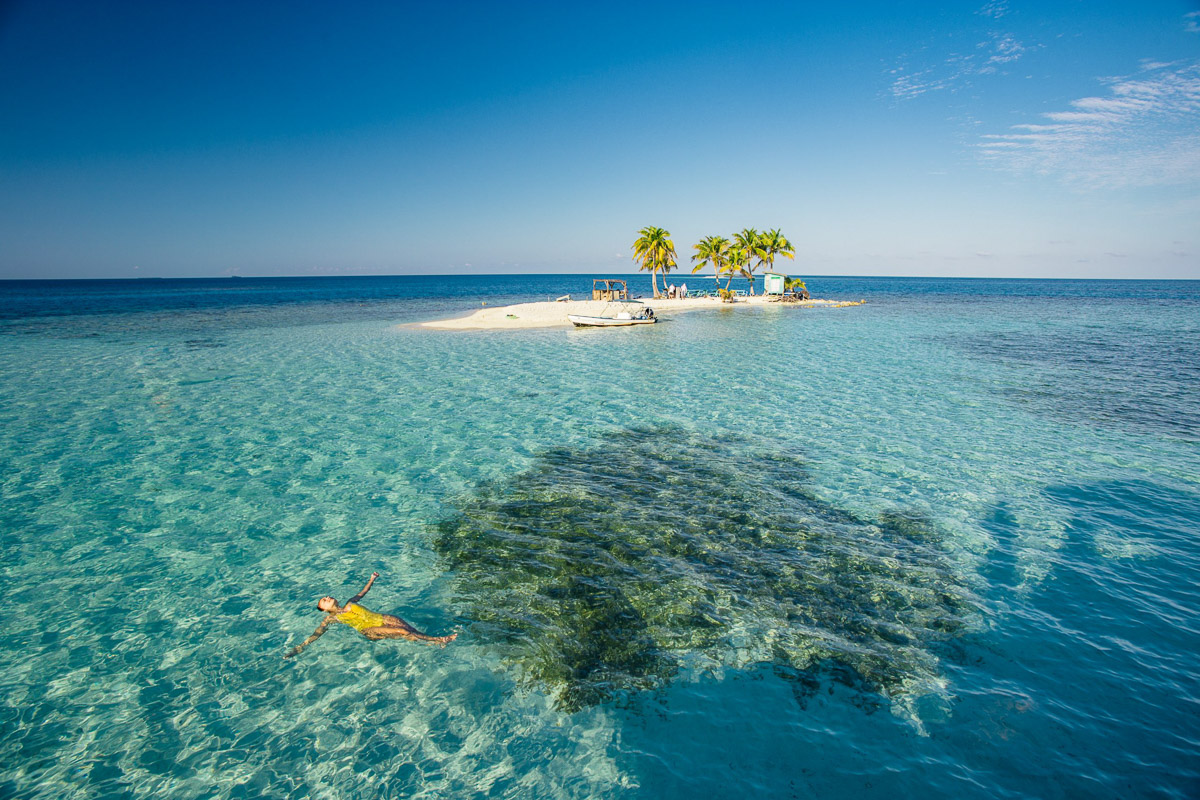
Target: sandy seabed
[{"x": 552, "y": 314}]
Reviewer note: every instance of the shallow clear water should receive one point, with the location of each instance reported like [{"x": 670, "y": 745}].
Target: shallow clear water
[{"x": 945, "y": 542}]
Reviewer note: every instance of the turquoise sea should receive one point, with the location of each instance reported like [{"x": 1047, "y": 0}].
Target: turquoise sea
[{"x": 944, "y": 544}]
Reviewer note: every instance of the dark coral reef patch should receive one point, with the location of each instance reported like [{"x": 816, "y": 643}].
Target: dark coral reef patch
[{"x": 605, "y": 572}]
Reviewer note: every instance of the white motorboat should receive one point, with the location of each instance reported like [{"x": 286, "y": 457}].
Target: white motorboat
[{"x": 630, "y": 313}]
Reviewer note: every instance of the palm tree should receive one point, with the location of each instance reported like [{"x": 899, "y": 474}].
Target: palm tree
[
  {"x": 774, "y": 243},
  {"x": 750, "y": 241},
  {"x": 736, "y": 260},
  {"x": 711, "y": 250},
  {"x": 656, "y": 251}
]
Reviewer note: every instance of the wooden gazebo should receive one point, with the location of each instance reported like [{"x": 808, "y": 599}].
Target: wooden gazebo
[{"x": 609, "y": 289}]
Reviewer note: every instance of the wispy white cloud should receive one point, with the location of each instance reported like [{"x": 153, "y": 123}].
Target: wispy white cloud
[
  {"x": 995, "y": 9},
  {"x": 1144, "y": 132},
  {"x": 1003, "y": 48},
  {"x": 1191, "y": 22},
  {"x": 907, "y": 85},
  {"x": 987, "y": 56}
]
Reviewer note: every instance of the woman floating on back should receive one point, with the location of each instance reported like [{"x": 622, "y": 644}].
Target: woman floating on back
[{"x": 371, "y": 624}]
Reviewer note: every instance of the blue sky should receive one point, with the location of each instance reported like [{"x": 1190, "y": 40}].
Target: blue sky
[{"x": 1052, "y": 139}]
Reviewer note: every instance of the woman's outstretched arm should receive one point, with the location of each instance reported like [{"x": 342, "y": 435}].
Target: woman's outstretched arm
[
  {"x": 295, "y": 651},
  {"x": 366, "y": 589}
]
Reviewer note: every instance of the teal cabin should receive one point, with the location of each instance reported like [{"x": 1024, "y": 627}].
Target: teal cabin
[{"x": 773, "y": 283}]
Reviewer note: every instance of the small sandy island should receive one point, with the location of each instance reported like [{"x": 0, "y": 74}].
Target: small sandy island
[{"x": 552, "y": 314}]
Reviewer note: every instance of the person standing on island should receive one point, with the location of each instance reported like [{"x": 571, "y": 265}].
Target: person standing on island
[{"x": 371, "y": 624}]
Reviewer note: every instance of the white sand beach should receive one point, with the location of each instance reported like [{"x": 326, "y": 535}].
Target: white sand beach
[{"x": 550, "y": 314}]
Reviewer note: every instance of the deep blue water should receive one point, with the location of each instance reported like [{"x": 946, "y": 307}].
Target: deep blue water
[{"x": 942, "y": 543}]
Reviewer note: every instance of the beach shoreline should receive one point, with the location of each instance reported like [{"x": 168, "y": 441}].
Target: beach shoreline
[{"x": 553, "y": 314}]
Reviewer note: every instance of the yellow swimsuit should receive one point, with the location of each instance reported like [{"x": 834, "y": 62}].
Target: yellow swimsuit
[{"x": 361, "y": 618}]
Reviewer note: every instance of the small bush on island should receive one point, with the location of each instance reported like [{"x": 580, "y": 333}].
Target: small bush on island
[{"x": 794, "y": 289}]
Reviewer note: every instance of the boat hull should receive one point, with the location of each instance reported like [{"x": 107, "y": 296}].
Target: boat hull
[{"x": 580, "y": 321}]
